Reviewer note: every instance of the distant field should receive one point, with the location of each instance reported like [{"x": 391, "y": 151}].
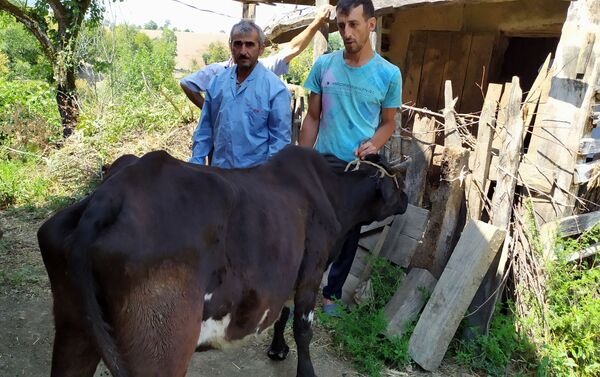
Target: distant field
[{"x": 191, "y": 46}]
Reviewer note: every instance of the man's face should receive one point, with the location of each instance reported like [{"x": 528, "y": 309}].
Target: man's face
[
  {"x": 245, "y": 49},
  {"x": 354, "y": 29}
]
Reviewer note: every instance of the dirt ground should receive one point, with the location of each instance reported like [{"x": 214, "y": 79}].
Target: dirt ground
[{"x": 27, "y": 333}]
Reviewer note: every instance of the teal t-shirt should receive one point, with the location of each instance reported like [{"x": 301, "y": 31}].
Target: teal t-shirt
[{"x": 351, "y": 100}]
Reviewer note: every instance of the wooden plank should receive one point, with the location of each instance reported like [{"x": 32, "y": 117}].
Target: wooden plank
[
  {"x": 585, "y": 172},
  {"x": 376, "y": 225},
  {"x": 456, "y": 66},
  {"x": 535, "y": 93},
  {"x": 538, "y": 135},
  {"x": 481, "y": 164},
  {"x": 406, "y": 304},
  {"x": 405, "y": 233},
  {"x": 589, "y": 146},
  {"x": 529, "y": 174},
  {"x": 320, "y": 38},
  {"x": 573, "y": 225},
  {"x": 446, "y": 203},
  {"x": 472, "y": 257},
  {"x": 476, "y": 77},
  {"x": 501, "y": 117},
  {"x": 413, "y": 66},
  {"x": 452, "y": 136},
  {"x": 369, "y": 240},
  {"x": 566, "y": 117},
  {"x": 585, "y": 253},
  {"x": 436, "y": 55},
  {"x": 502, "y": 208},
  {"x": 421, "y": 152}
]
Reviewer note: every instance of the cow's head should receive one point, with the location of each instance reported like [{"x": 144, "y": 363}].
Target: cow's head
[{"x": 384, "y": 187}]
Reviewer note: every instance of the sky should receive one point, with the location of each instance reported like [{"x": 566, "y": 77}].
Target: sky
[{"x": 181, "y": 16}]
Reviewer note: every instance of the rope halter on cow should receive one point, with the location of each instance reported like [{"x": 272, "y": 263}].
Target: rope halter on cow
[{"x": 382, "y": 170}]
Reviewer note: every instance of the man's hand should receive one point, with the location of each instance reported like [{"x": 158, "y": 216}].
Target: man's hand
[
  {"x": 365, "y": 149},
  {"x": 324, "y": 12}
]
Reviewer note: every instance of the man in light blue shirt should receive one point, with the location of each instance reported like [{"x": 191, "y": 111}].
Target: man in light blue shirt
[
  {"x": 355, "y": 94},
  {"x": 246, "y": 117}
]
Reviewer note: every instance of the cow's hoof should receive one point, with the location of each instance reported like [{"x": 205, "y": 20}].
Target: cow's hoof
[{"x": 278, "y": 355}]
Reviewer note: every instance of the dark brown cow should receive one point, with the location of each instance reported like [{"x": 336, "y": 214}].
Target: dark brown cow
[{"x": 165, "y": 257}]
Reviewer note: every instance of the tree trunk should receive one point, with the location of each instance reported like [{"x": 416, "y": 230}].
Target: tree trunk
[{"x": 66, "y": 98}]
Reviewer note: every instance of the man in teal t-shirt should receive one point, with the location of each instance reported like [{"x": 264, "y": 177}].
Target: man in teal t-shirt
[{"x": 355, "y": 94}]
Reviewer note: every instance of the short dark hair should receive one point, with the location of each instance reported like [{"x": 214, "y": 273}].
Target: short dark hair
[{"x": 345, "y": 6}]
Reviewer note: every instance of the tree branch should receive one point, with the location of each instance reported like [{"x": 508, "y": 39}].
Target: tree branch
[
  {"x": 60, "y": 13},
  {"x": 32, "y": 25}
]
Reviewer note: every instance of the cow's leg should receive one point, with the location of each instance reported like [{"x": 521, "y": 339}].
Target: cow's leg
[
  {"x": 303, "y": 317},
  {"x": 74, "y": 353},
  {"x": 279, "y": 349}
]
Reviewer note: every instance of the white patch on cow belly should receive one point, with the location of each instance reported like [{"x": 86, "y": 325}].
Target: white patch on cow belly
[
  {"x": 262, "y": 320},
  {"x": 212, "y": 332},
  {"x": 309, "y": 318},
  {"x": 208, "y": 297}
]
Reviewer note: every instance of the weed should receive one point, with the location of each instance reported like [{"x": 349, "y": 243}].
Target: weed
[{"x": 361, "y": 331}]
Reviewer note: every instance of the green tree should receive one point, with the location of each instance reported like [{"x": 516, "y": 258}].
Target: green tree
[
  {"x": 217, "y": 52},
  {"x": 56, "y": 25},
  {"x": 151, "y": 25}
]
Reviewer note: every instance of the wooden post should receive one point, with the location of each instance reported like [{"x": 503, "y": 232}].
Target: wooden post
[
  {"x": 320, "y": 39},
  {"x": 474, "y": 252},
  {"x": 502, "y": 209},
  {"x": 446, "y": 202},
  {"x": 249, "y": 11},
  {"x": 450, "y": 129},
  {"x": 483, "y": 155},
  {"x": 421, "y": 152},
  {"x": 376, "y": 37}
]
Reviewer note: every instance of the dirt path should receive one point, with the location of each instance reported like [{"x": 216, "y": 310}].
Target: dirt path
[{"x": 27, "y": 331}]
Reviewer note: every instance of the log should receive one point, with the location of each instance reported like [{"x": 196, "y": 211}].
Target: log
[
  {"x": 320, "y": 39},
  {"x": 446, "y": 202},
  {"x": 406, "y": 304},
  {"x": 420, "y": 153},
  {"x": 483, "y": 154},
  {"x": 472, "y": 257},
  {"x": 502, "y": 207}
]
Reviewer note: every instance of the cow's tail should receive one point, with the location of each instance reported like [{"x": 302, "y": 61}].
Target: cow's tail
[{"x": 96, "y": 218}]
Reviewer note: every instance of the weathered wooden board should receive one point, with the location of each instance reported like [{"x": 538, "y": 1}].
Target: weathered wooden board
[
  {"x": 585, "y": 172},
  {"x": 472, "y": 257},
  {"x": 502, "y": 208},
  {"x": 452, "y": 136},
  {"x": 421, "y": 151},
  {"x": 405, "y": 233},
  {"x": 456, "y": 66},
  {"x": 589, "y": 146},
  {"x": 413, "y": 66},
  {"x": 436, "y": 55},
  {"x": 481, "y": 164},
  {"x": 376, "y": 225},
  {"x": 409, "y": 299},
  {"x": 476, "y": 76},
  {"x": 528, "y": 174}
]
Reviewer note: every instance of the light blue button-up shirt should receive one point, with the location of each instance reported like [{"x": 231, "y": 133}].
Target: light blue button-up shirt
[{"x": 245, "y": 125}]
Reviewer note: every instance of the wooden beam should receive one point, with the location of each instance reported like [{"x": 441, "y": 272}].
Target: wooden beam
[
  {"x": 406, "y": 304},
  {"x": 249, "y": 11},
  {"x": 483, "y": 153},
  {"x": 472, "y": 256},
  {"x": 502, "y": 208},
  {"x": 585, "y": 172},
  {"x": 320, "y": 39}
]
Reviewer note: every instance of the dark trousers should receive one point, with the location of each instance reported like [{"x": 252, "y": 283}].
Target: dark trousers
[{"x": 340, "y": 268}]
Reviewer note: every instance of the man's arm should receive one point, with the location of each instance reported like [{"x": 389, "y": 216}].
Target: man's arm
[
  {"x": 294, "y": 47},
  {"x": 310, "y": 126},
  {"x": 202, "y": 140},
  {"x": 196, "y": 97},
  {"x": 382, "y": 135},
  {"x": 279, "y": 122}
]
